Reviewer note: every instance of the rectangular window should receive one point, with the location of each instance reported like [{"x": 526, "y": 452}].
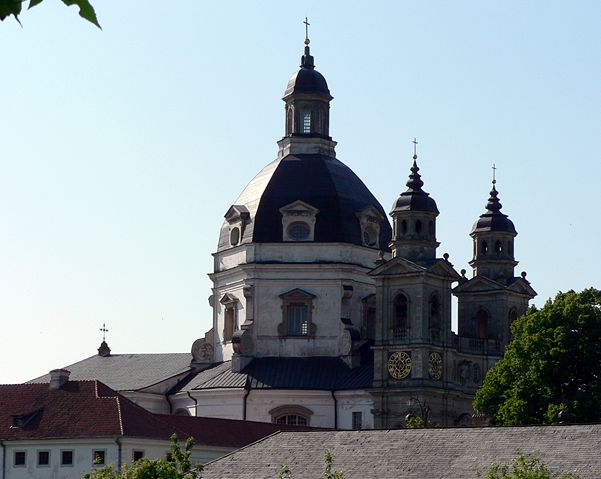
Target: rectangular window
[
  {"x": 66, "y": 458},
  {"x": 98, "y": 457},
  {"x": 298, "y": 320},
  {"x": 43, "y": 458},
  {"x": 230, "y": 320},
  {"x": 307, "y": 122},
  {"x": 137, "y": 455},
  {"x": 357, "y": 420},
  {"x": 19, "y": 459}
]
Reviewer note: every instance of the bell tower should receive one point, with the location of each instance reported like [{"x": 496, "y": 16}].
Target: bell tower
[
  {"x": 493, "y": 237},
  {"x": 414, "y": 220}
]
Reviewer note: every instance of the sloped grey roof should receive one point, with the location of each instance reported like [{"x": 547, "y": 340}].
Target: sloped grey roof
[
  {"x": 127, "y": 372},
  {"x": 321, "y": 373},
  {"x": 453, "y": 453}
]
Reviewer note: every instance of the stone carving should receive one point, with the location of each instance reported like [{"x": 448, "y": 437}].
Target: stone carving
[
  {"x": 202, "y": 351},
  {"x": 464, "y": 371}
]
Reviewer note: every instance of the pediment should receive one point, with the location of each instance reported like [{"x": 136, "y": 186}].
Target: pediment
[
  {"x": 228, "y": 298},
  {"x": 236, "y": 212},
  {"x": 444, "y": 268},
  {"x": 478, "y": 284},
  {"x": 396, "y": 266},
  {"x": 297, "y": 293},
  {"x": 299, "y": 208},
  {"x": 370, "y": 214},
  {"x": 521, "y": 286}
]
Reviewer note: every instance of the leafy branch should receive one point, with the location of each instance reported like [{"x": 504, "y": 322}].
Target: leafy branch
[{"x": 14, "y": 7}]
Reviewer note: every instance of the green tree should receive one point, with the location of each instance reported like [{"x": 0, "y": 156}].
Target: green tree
[
  {"x": 178, "y": 466},
  {"x": 553, "y": 364},
  {"x": 525, "y": 467},
  {"x": 14, "y": 7}
]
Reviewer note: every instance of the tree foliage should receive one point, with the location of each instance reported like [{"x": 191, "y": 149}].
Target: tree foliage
[
  {"x": 553, "y": 364},
  {"x": 178, "y": 466},
  {"x": 328, "y": 469},
  {"x": 525, "y": 467},
  {"x": 14, "y": 7}
]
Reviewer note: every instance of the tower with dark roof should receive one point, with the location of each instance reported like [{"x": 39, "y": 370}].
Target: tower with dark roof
[{"x": 494, "y": 297}]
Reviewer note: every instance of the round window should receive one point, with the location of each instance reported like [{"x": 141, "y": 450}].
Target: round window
[
  {"x": 299, "y": 231},
  {"x": 234, "y": 236}
]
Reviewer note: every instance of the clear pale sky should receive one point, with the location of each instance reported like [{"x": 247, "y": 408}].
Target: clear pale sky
[{"x": 122, "y": 149}]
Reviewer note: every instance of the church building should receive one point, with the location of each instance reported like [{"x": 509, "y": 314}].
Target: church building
[{"x": 325, "y": 315}]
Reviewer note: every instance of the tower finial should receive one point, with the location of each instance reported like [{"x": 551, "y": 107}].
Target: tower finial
[
  {"x": 103, "y": 330},
  {"x": 494, "y": 176},
  {"x": 306, "y": 22},
  {"x": 414, "y": 148}
]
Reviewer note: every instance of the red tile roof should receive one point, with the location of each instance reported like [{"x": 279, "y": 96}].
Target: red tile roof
[{"x": 92, "y": 409}]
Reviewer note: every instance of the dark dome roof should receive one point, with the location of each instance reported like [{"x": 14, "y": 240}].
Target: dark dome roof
[
  {"x": 319, "y": 180},
  {"x": 307, "y": 79},
  {"x": 492, "y": 219},
  {"x": 415, "y": 199}
]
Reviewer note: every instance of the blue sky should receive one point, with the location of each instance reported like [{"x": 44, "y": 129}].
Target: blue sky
[{"x": 123, "y": 148}]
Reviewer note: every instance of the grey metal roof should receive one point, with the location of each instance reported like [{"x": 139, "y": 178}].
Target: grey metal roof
[
  {"x": 319, "y": 180},
  {"x": 413, "y": 453},
  {"x": 127, "y": 372},
  {"x": 321, "y": 373}
]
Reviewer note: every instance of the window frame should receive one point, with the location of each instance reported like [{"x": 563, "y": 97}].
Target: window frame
[
  {"x": 290, "y": 410},
  {"x": 98, "y": 452},
  {"x": 62, "y": 456},
  {"x": 294, "y": 299},
  {"x": 41, "y": 451},
  {"x": 357, "y": 420},
  {"x": 24, "y": 453}
]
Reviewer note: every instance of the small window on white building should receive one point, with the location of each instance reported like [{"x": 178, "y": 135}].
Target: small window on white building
[
  {"x": 292, "y": 415},
  {"x": 66, "y": 458},
  {"x": 230, "y": 316},
  {"x": 19, "y": 458},
  {"x": 43, "y": 458},
  {"x": 297, "y": 307},
  {"x": 98, "y": 457},
  {"x": 357, "y": 420},
  {"x": 137, "y": 455},
  {"x": 291, "y": 420},
  {"x": 299, "y": 231}
]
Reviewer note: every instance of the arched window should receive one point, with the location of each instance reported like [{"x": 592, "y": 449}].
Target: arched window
[
  {"x": 435, "y": 319},
  {"x": 400, "y": 321},
  {"x": 404, "y": 227},
  {"x": 482, "y": 324},
  {"x": 484, "y": 247},
  {"x": 369, "y": 317},
  {"x": 498, "y": 246},
  {"x": 291, "y": 414},
  {"x": 289, "y": 117},
  {"x": 306, "y": 121},
  {"x": 418, "y": 226}
]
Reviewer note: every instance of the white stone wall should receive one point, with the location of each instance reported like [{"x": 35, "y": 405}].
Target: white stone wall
[{"x": 83, "y": 455}]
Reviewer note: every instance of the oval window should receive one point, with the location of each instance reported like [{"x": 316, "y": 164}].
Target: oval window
[
  {"x": 234, "y": 236},
  {"x": 369, "y": 237},
  {"x": 299, "y": 231}
]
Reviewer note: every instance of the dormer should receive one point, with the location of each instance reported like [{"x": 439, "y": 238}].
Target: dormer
[
  {"x": 369, "y": 221},
  {"x": 298, "y": 221},
  {"x": 237, "y": 216}
]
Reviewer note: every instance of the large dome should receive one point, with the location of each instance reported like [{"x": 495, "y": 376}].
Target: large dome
[{"x": 318, "y": 180}]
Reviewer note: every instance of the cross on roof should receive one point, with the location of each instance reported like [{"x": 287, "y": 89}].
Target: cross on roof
[
  {"x": 494, "y": 170},
  {"x": 414, "y": 148},
  {"x": 103, "y": 330},
  {"x": 306, "y": 22}
]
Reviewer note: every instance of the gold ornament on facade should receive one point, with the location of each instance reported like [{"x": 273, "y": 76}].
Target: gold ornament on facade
[
  {"x": 435, "y": 366},
  {"x": 399, "y": 365}
]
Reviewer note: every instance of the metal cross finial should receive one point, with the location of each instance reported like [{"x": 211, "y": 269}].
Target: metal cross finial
[
  {"x": 306, "y": 22},
  {"x": 494, "y": 176},
  {"x": 104, "y": 331},
  {"x": 414, "y": 148}
]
